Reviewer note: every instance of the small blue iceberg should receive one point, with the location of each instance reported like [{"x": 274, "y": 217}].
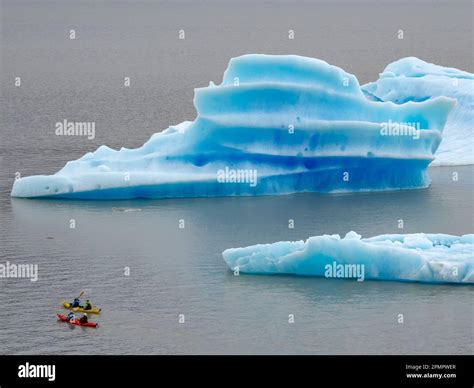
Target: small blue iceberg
[
  {"x": 411, "y": 79},
  {"x": 429, "y": 258},
  {"x": 277, "y": 124}
]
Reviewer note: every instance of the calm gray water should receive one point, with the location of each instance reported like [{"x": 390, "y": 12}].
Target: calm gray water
[{"x": 181, "y": 271}]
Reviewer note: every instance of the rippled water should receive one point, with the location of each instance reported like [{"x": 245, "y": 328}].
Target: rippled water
[{"x": 177, "y": 271}]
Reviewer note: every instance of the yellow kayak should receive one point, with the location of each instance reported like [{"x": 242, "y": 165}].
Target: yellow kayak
[{"x": 94, "y": 310}]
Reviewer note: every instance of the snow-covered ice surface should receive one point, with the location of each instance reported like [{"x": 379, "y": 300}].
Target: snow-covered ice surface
[
  {"x": 411, "y": 79},
  {"x": 430, "y": 258},
  {"x": 276, "y": 125}
]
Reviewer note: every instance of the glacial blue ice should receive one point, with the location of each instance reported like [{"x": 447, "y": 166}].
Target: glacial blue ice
[
  {"x": 430, "y": 258},
  {"x": 277, "y": 124},
  {"x": 411, "y": 79}
]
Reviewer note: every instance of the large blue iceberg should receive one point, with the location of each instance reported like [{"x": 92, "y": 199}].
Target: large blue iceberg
[
  {"x": 431, "y": 258},
  {"x": 411, "y": 79},
  {"x": 276, "y": 125}
]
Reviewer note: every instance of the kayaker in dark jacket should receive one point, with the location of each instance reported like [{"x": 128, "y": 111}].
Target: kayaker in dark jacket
[
  {"x": 88, "y": 305},
  {"x": 70, "y": 316},
  {"x": 83, "y": 319},
  {"x": 76, "y": 303}
]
